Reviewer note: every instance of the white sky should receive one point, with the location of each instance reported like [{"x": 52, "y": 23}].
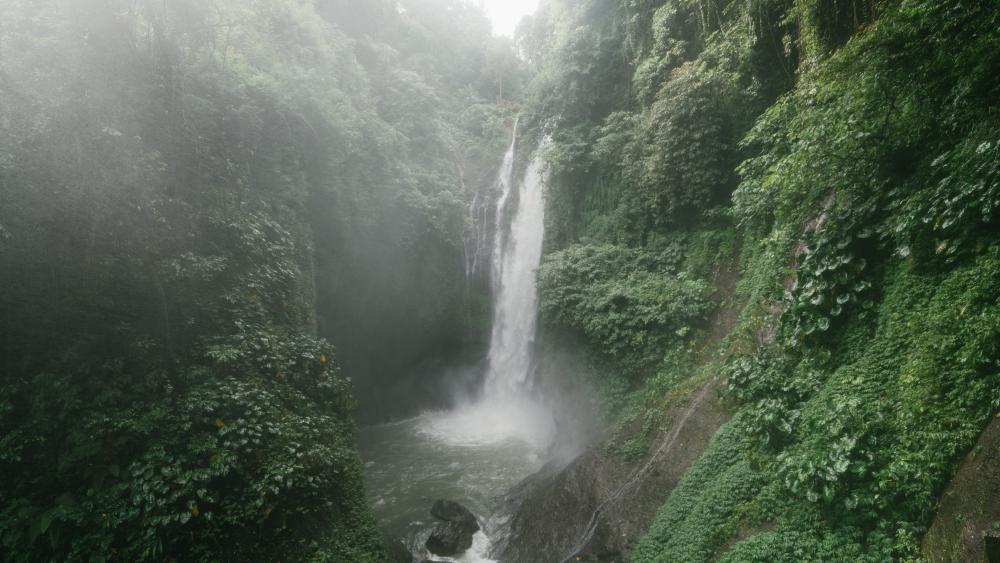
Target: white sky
[{"x": 506, "y": 13}]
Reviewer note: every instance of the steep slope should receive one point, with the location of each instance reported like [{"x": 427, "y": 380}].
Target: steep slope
[
  {"x": 844, "y": 154},
  {"x": 599, "y": 504},
  {"x": 967, "y": 524}
]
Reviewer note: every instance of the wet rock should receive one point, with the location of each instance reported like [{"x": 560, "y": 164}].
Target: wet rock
[
  {"x": 597, "y": 506},
  {"x": 453, "y": 534},
  {"x": 965, "y": 527},
  {"x": 449, "y": 538},
  {"x": 450, "y": 511}
]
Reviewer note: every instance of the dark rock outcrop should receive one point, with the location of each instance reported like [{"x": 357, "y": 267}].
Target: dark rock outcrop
[
  {"x": 450, "y": 511},
  {"x": 453, "y": 534},
  {"x": 449, "y": 539},
  {"x": 598, "y": 506},
  {"x": 965, "y": 526}
]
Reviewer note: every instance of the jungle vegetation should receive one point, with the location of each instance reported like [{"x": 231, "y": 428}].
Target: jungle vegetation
[
  {"x": 196, "y": 200},
  {"x": 841, "y": 160},
  {"x": 217, "y": 220}
]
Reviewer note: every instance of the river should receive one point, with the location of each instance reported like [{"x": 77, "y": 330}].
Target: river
[{"x": 411, "y": 463}]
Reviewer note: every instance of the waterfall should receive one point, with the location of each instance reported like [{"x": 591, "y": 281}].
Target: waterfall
[
  {"x": 505, "y": 181},
  {"x": 516, "y": 255},
  {"x": 507, "y": 408},
  {"x": 477, "y": 239}
]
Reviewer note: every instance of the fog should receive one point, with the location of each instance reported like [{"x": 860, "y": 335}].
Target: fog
[
  {"x": 231, "y": 229},
  {"x": 484, "y": 281},
  {"x": 506, "y": 14}
]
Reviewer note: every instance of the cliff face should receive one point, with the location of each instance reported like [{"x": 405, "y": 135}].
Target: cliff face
[
  {"x": 967, "y": 525},
  {"x": 842, "y": 155},
  {"x": 598, "y": 506}
]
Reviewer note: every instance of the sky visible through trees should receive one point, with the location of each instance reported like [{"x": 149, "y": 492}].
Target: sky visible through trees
[{"x": 505, "y": 14}]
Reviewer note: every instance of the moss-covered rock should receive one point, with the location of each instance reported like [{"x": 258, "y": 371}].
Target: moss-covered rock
[{"x": 966, "y": 527}]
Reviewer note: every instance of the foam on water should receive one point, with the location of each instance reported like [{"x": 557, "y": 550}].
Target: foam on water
[
  {"x": 408, "y": 466},
  {"x": 478, "y": 553},
  {"x": 491, "y": 422}
]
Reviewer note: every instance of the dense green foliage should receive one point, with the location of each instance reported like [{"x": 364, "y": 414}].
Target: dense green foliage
[
  {"x": 847, "y": 152},
  {"x": 632, "y": 307},
  {"x": 199, "y": 197},
  {"x": 192, "y": 194}
]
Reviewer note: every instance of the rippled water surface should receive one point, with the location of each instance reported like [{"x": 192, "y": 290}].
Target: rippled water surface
[{"x": 453, "y": 455}]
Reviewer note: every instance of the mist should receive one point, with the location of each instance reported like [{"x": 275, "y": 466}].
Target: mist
[
  {"x": 228, "y": 230},
  {"x": 483, "y": 281}
]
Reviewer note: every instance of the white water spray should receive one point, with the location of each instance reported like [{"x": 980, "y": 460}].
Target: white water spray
[
  {"x": 477, "y": 240},
  {"x": 505, "y": 181},
  {"x": 507, "y": 408},
  {"x": 516, "y": 257},
  {"x": 507, "y": 419}
]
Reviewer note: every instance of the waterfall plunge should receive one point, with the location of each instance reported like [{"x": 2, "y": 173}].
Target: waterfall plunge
[
  {"x": 507, "y": 408},
  {"x": 516, "y": 255}
]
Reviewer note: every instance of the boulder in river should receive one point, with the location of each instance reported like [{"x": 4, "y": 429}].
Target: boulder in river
[
  {"x": 604, "y": 503},
  {"x": 450, "y": 511},
  {"x": 448, "y": 539},
  {"x": 453, "y": 535}
]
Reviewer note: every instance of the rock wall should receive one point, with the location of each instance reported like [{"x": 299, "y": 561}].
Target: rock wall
[
  {"x": 966, "y": 528},
  {"x": 597, "y": 507}
]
